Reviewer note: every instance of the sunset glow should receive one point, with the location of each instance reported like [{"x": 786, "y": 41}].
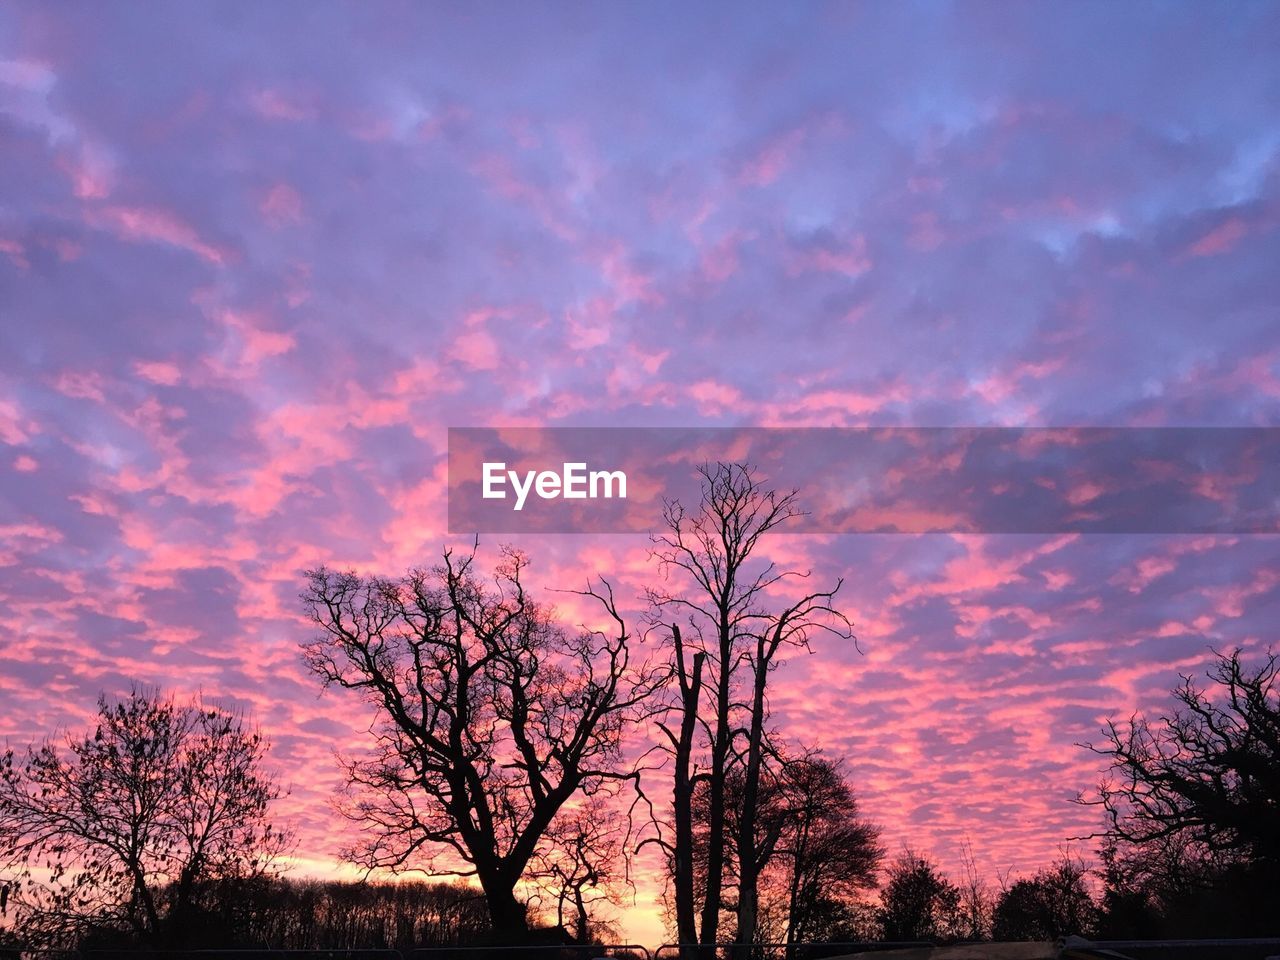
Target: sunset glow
[{"x": 257, "y": 259}]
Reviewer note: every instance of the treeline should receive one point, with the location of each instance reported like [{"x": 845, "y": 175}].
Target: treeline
[
  {"x": 313, "y": 915},
  {"x": 1177, "y": 899},
  {"x": 537, "y": 758},
  {"x": 289, "y": 914}
]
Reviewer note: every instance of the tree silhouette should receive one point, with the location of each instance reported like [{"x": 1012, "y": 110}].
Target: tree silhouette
[
  {"x": 490, "y": 717},
  {"x": 918, "y": 902},
  {"x": 829, "y": 852},
  {"x": 814, "y": 852},
  {"x": 585, "y": 866},
  {"x": 123, "y": 826},
  {"x": 976, "y": 901},
  {"x": 1210, "y": 772},
  {"x": 1054, "y": 903},
  {"x": 735, "y": 625},
  {"x": 684, "y": 786},
  {"x": 1192, "y": 804}
]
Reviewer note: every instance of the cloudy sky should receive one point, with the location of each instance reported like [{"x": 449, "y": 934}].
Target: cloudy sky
[{"x": 255, "y": 259}]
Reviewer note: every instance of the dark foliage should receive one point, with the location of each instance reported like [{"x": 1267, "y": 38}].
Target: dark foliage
[
  {"x": 316, "y": 915},
  {"x": 1192, "y": 807},
  {"x": 919, "y": 902},
  {"x": 1054, "y": 903}
]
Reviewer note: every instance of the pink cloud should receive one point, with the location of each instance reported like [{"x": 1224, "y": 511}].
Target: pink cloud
[
  {"x": 770, "y": 159},
  {"x": 158, "y": 372},
  {"x": 589, "y": 325},
  {"x": 152, "y": 225},
  {"x": 16, "y": 252},
  {"x": 1221, "y": 239},
  {"x": 926, "y": 234},
  {"x": 627, "y": 283},
  {"x": 249, "y": 342},
  {"x": 90, "y": 170},
  {"x": 277, "y": 105},
  {"x": 81, "y": 385},
  {"x": 281, "y": 205},
  {"x": 477, "y": 349},
  {"x": 720, "y": 262},
  {"x": 714, "y": 398},
  {"x": 498, "y": 172},
  {"x": 833, "y": 407},
  {"x": 849, "y": 258}
]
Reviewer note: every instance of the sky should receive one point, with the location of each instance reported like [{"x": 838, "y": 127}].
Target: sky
[{"x": 256, "y": 259}]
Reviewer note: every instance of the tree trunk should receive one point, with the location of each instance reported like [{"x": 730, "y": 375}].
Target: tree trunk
[
  {"x": 715, "y": 813},
  {"x": 795, "y": 920},
  {"x": 682, "y": 799},
  {"x": 583, "y": 930},
  {"x": 748, "y": 856},
  {"x": 142, "y": 896},
  {"x": 507, "y": 914}
]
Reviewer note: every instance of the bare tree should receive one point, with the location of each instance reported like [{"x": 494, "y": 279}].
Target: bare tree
[
  {"x": 490, "y": 716},
  {"x": 123, "y": 825},
  {"x": 1208, "y": 774},
  {"x": 1192, "y": 806},
  {"x": 735, "y": 622},
  {"x": 689, "y": 676},
  {"x": 976, "y": 900},
  {"x": 830, "y": 852},
  {"x": 586, "y": 866}
]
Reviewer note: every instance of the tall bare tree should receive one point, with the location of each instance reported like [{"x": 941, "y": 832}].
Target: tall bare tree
[
  {"x": 122, "y": 825},
  {"x": 680, "y": 852},
  {"x": 789, "y": 626},
  {"x": 490, "y": 716},
  {"x": 727, "y": 600}
]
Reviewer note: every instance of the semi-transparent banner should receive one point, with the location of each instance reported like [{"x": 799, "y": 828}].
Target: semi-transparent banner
[{"x": 875, "y": 480}]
